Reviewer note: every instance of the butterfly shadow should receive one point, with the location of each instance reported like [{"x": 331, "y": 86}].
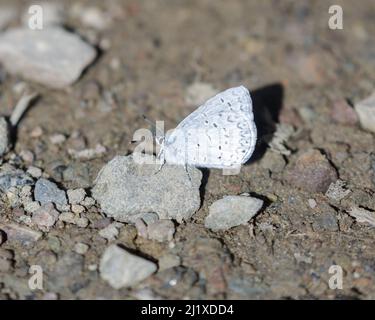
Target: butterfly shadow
[{"x": 267, "y": 104}]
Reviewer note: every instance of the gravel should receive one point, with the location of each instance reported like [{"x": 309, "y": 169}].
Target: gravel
[
  {"x": 122, "y": 269},
  {"x": 52, "y": 56},
  {"x": 11, "y": 177},
  {"x": 126, "y": 190},
  {"x": 232, "y": 211},
  {"x": 46, "y": 191}
]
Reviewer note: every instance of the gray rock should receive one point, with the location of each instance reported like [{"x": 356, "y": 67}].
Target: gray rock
[
  {"x": 52, "y": 56},
  {"x": 126, "y": 189},
  {"x": 46, "y": 191},
  {"x": 366, "y": 113},
  {"x": 4, "y": 136},
  {"x": 123, "y": 269},
  {"x": 232, "y": 211},
  {"x": 11, "y": 177}
]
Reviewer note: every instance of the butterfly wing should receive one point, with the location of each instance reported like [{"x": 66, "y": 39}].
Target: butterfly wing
[{"x": 219, "y": 134}]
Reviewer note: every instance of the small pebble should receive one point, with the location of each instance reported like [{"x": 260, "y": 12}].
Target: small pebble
[
  {"x": 57, "y": 138},
  {"x": 67, "y": 217},
  {"x": 110, "y": 232},
  {"x": 76, "y": 196},
  {"x": 161, "y": 230},
  {"x": 82, "y": 222},
  {"x": 27, "y": 156},
  {"x": 96, "y": 18},
  {"x": 88, "y": 202},
  {"x": 32, "y": 206},
  {"x": 81, "y": 248},
  {"x": 312, "y": 203},
  {"x": 168, "y": 261},
  {"x": 232, "y": 211},
  {"x": 366, "y": 113},
  {"x": 343, "y": 113},
  {"x": 46, "y": 216},
  {"x": 35, "y": 172},
  {"x": 37, "y": 132},
  {"x": 122, "y": 269},
  {"x": 46, "y": 191},
  {"x": 76, "y": 208},
  {"x": 337, "y": 190},
  {"x": 311, "y": 172}
]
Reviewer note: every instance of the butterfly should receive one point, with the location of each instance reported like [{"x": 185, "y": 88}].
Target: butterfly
[{"x": 221, "y": 133}]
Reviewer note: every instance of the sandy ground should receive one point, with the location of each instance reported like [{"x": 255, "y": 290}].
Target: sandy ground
[{"x": 295, "y": 68}]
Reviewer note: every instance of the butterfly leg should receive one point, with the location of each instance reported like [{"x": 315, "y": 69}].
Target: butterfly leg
[
  {"x": 188, "y": 173},
  {"x": 160, "y": 167}
]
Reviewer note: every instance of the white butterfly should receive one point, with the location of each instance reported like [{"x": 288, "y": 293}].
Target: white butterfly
[{"x": 219, "y": 134}]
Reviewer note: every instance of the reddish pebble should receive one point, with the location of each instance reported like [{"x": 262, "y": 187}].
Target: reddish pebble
[
  {"x": 311, "y": 172},
  {"x": 343, "y": 113}
]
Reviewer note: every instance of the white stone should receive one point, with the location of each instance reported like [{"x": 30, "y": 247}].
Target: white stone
[{"x": 53, "y": 56}]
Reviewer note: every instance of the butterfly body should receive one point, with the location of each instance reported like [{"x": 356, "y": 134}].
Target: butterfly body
[{"x": 219, "y": 134}]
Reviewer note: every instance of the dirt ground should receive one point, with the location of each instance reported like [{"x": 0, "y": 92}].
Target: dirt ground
[{"x": 295, "y": 68}]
